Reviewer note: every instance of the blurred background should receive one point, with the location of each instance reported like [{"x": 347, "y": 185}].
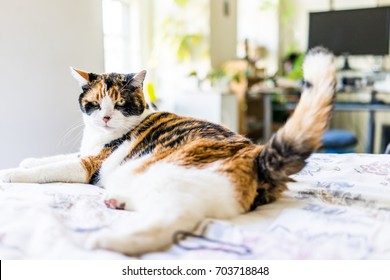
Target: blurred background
[{"x": 235, "y": 62}]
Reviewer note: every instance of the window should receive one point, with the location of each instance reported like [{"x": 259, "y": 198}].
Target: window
[{"x": 122, "y": 44}]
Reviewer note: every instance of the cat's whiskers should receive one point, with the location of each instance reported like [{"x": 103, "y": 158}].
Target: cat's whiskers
[
  {"x": 74, "y": 128},
  {"x": 76, "y": 139},
  {"x": 121, "y": 89}
]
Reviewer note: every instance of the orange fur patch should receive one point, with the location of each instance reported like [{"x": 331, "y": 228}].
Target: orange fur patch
[{"x": 92, "y": 164}]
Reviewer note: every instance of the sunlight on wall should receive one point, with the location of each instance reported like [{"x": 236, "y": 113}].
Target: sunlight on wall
[
  {"x": 179, "y": 38},
  {"x": 258, "y": 22},
  {"x": 178, "y": 45}
]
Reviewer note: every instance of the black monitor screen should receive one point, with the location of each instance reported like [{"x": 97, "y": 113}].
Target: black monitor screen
[{"x": 355, "y": 32}]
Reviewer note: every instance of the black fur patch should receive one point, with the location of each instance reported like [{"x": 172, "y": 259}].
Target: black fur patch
[
  {"x": 92, "y": 77},
  {"x": 95, "y": 178},
  {"x": 89, "y": 108},
  {"x": 134, "y": 104}
]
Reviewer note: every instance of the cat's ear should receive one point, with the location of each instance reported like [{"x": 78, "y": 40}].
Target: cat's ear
[
  {"x": 138, "y": 79},
  {"x": 81, "y": 76}
]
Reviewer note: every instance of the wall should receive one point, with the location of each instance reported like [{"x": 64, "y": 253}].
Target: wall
[
  {"x": 223, "y": 31},
  {"x": 39, "y": 40}
]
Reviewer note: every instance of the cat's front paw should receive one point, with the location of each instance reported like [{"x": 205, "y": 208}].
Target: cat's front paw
[
  {"x": 29, "y": 162},
  {"x": 14, "y": 175},
  {"x": 6, "y": 175}
]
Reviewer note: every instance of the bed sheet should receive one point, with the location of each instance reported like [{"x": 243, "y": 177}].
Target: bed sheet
[{"x": 338, "y": 208}]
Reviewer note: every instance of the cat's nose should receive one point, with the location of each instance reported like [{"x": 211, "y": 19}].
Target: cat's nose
[{"x": 106, "y": 119}]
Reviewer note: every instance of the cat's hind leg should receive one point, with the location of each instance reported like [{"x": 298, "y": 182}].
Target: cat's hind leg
[
  {"x": 167, "y": 198},
  {"x": 152, "y": 231}
]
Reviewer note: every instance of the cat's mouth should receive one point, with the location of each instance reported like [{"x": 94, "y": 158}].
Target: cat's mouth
[{"x": 107, "y": 127}]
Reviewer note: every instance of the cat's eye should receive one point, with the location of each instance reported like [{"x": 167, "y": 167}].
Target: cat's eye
[
  {"x": 121, "y": 102},
  {"x": 95, "y": 103}
]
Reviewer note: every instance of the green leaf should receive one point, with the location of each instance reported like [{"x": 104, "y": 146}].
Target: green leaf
[{"x": 181, "y": 3}]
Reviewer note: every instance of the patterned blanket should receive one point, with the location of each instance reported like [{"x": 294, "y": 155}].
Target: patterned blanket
[{"x": 338, "y": 208}]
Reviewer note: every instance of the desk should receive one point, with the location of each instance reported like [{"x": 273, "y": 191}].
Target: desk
[{"x": 371, "y": 108}]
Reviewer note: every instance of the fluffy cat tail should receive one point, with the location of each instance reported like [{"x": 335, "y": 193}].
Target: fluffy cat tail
[{"x": 285, "y": 153}]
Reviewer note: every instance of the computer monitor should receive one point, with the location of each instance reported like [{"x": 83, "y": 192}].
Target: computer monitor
[{"x": 351, "y": 32}]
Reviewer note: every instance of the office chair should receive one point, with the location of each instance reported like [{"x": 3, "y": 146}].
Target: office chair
[{"x": 338, "y": 141}]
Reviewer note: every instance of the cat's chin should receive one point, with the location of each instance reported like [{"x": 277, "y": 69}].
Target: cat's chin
[
  {"x": 112, "y": 130},
  {"x": 108, "y": 128},
  {"x": 104, "y": 128}
]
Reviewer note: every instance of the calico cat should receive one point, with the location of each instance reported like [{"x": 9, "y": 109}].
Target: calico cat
[{"x": 175, "y": 171}]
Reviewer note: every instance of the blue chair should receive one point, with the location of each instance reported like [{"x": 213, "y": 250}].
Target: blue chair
[
  {"x": 338, "y": 141},
  {"x": 387, "y": 151}
]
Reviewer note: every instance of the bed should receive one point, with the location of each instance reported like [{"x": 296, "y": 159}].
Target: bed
[{"x": 338, "y": 208}]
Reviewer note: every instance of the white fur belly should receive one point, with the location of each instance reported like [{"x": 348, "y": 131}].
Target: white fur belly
[
  {"x": 114, "y": 161},
  {"x": 206, "y": 190}
]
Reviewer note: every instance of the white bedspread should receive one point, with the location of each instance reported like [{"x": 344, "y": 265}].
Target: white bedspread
[{"x": 339, "y": 208}]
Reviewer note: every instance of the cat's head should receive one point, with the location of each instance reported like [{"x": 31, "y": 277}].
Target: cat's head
[{"x": 111, "y": 102}]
